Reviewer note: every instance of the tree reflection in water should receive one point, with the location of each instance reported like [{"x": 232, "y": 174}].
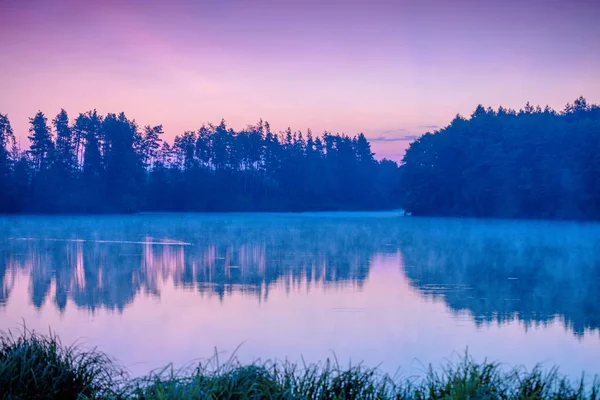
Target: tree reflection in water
[{"x": 497, "y": 271}]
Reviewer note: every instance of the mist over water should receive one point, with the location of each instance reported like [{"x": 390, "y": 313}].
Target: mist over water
[{"x": 376, "y": 288}]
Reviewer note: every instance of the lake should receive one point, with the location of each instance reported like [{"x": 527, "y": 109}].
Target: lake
[{"x": 377, "y": 288}]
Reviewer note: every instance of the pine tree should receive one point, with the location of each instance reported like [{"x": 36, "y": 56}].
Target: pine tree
[
  {"x": 150, "y": 144},
  {"x": 7, "y": 140},
  {"x": 65, "y": 157},
  {"x": 42, "y": 146}
]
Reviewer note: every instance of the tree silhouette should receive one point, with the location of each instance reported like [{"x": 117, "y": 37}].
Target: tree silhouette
[
  {"x": 41, "y": 141},
  {"x": 7, "y": 140},
  {"x": 534, "y": 163},
  {"x": 123, "y": 164},
  {"x": 65, "y": 157},
  {"x": 150, "y": 144},
  {"x": 106, "y": 164}
]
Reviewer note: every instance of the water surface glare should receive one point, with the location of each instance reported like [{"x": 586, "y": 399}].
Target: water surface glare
[{"x": 376, "y": 288}]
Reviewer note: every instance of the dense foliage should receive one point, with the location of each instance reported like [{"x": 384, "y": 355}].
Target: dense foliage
[
  {"x": 535, "y": 163},
  {"x": 108, "y": 164},
  {"x": 34, "y": 366}
]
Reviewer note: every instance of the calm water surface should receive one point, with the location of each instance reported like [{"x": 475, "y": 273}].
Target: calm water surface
[{"x": 373, "y": 287}]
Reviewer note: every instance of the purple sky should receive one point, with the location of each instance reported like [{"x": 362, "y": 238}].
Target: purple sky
[{"x": 391, "y": 69}]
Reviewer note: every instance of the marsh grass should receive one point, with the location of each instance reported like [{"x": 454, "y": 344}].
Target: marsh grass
[
  {"x": 34, "y": 366},
  {"x": 40, "y": 366}
]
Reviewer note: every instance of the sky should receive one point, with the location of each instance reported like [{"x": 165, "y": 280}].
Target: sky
[{"x": 390, "y": 69}]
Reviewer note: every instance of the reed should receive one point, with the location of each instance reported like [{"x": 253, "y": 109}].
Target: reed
[{"x": 39, "y": 366}]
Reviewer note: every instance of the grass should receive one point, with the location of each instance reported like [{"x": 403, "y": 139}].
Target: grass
[
  {"x": 39, "y": 366},
  {"x": 35, "y": 366}
]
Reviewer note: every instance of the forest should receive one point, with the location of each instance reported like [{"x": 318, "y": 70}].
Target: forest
[
  {"x": 102, "y": 164},
  {"x": 531, "y": 163}
]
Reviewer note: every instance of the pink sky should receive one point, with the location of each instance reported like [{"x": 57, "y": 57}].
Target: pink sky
[{"x": 390, "y": 69}]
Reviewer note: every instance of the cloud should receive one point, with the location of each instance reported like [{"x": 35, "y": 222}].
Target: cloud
[
  {"x": 394, "y": 135},
  {"x": 393, "y": 139},
  {"x": 430, "y": 126},
  {"x": 392, "y": 131}
]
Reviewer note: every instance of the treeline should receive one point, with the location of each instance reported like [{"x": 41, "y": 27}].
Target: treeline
[
  {"x": 534, "y": 163},
  {"x": 109, "y": 164},
  {"x": 531, "y": 163}
]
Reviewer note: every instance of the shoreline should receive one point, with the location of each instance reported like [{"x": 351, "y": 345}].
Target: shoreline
[{"x": 34, "y": 365}]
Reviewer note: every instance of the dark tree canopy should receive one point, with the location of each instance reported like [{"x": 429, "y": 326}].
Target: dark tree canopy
[
  {"x": 534, "y": 163},
  {"x": 7, "y": 141},
  {"x": 109, "y": 164},
  {"x": 531, "y": 163},
  {"x": 41, "y": 141}
]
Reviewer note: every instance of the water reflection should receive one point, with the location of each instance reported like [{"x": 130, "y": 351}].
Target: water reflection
[
  {"x": 245, "y": 256},
  {"x": 533, "y": 272},
  {"x": 498, "y": 272}
]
